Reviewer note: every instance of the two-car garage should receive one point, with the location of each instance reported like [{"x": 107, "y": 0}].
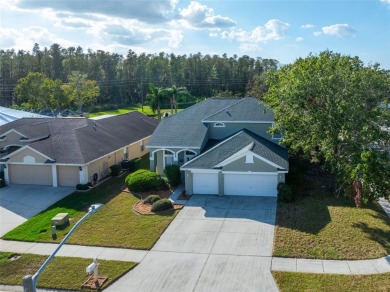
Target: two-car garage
[{"x": 235, "y": 183}]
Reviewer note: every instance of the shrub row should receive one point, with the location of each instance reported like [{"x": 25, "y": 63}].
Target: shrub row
[
  {"x": 82, "y": 187},
  {"x": 285, "y": 193},
  {"x": 173, "y": 175},
  {"x": 131, "y": 165},
  {"x": 115, "y": 169},
  {"x": 151, "y": 199}
]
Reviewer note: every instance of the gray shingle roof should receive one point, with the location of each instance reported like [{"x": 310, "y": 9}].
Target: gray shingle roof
[
  {"x": 247, "y": 109},
  {"x": 186, "y": 128},
  {"x": 80, "y": 140},
  {"x": 230, "y": 146}
]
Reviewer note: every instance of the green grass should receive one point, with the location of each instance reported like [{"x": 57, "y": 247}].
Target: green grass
[
  {"x": 62, "y": 272},
  {"x": 114, "y": 225},
  {"x": 319, "y": 225},
  {"x": 299, "y": 282},
  {"x": 146, "y": 110}
]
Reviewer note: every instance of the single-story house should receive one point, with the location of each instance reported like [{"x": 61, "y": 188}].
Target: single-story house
[
  {"x": 69, "y": 151},
  {"x": 223, "y": 147},
  {"x": 8, "y": 115}
]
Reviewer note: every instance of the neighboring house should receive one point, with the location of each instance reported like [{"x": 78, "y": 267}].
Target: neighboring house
[
  {"x": 69, "y": 151},
  {"x": 8, "y": 115},
  {"x": 223, "y": 147}
]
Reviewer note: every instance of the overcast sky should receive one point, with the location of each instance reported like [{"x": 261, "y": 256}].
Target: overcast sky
[{"x": 283, "y": 30}]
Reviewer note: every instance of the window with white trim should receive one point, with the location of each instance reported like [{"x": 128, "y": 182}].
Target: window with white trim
[
  {"x": 168, "y": 158},
  {"x": 219, "y": 125},
  {"x": 188, "y": 155},
  {"x": 277, "y": 135}
]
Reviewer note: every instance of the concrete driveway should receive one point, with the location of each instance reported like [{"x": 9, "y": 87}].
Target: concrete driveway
[
  {"x": 20, "y": 202},
  {"x": 214, "y": 244}
]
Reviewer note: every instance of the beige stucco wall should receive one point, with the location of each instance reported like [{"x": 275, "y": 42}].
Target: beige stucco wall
[
  {"x": 257, "y": 166},
  {"x": 18, "y": 157},
  {"x": 68, "y": 175},
  {"x": 12, "y": 138},
  {"x": 30, "y": 174},
  {"x": 103, "y": 164},
  {"x": 230, "y": 128}
]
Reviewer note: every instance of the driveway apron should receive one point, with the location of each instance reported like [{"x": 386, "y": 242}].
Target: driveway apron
[
  {"x": 214, "y": 244},
  {"x": 20, "y": 202}
]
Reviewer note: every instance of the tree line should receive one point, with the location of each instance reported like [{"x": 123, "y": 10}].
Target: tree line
[{"x": 126, "y": 79}]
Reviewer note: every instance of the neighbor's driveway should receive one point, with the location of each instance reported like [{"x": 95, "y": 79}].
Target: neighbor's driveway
[
  {"x": 214, "y": 244},
  {"x": 20, "y": 202}
]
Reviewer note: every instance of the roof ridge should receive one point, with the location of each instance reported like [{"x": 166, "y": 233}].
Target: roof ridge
[
  {"x": 224, "y": 109},
  {"x": 250, "y": 133},
  {"x": 215, "y": 146}
]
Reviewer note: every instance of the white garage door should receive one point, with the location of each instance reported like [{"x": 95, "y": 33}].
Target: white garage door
[
  {"x": 30, "y": 174},
  {"x": 250, "y": 184},
  {"x": 205, "y": 183}
]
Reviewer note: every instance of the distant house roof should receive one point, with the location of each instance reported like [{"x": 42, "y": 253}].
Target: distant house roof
[
  {"x": 81, "y": 140},
  {"x": 231, "y": 145},
  {"x": 189, "y": 127},
  {"x": 8, "y": 115}
]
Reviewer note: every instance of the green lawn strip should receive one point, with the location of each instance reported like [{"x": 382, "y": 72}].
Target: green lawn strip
[
  {"x": 299, "y": 282},
  {"x": 145, "y": 110},
  {"x": 62, "y": 272},
  {"x": 114, "y": 225},
  {"x": 325, "y": 227}
]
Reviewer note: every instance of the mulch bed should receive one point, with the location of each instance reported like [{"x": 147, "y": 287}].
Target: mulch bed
[
  {"x": 91, "y": 284},
  {"x": 163, "y": 194},
  {"x": 184, "y": 197},
  {"x": 146, "y": 209}
]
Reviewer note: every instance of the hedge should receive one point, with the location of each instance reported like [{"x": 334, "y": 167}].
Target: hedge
[
  {"x": 143, "y": 180},
  {"x": 173, "y": 175}
]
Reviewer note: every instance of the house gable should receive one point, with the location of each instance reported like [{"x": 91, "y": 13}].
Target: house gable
[
  {"x": 241, "y": 164},
  {"x": 11, "y": 138},
  {"x": 27, "y": 155}
]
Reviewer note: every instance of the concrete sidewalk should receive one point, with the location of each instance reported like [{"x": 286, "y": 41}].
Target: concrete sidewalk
[
  {"x": 69, "y": 250},
  {"x": 358, "y": 267}
]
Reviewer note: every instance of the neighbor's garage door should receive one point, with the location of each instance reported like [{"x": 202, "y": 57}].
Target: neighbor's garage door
[
  {"x": 205, "y": 183},
  {"x": 30, "y": 174},
  {"x": 68, "y": 175},
  {"x": 250, "y": 184}
]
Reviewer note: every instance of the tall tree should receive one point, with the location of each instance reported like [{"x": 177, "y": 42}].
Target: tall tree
[
  {"x": 331, "y": 107},
  {"x": 38, "y": 91},
  {"x": 80, "y": 90}
]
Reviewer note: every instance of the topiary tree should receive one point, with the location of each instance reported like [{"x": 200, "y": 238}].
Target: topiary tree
[
  {"x": 115, "y": 169},
  {"x": 143, "y": 180},
  {"x": 173, "y": 175}
]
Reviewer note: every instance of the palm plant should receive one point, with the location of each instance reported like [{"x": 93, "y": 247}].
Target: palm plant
[
  {"x": 175, "y": 92},
  {"x": 156, "y": 97}
]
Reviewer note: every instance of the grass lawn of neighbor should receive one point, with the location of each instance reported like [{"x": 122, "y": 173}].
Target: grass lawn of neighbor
[
  {"x": 319, "y": 225},
  {"x": 62, "y": 272},
  {"x": 145, "y": 110},
  {"x": 114, "y": 225},
  {"x": 299, "y": 282}
]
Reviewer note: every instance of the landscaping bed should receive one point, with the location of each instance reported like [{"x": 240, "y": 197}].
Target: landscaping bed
[
  {"x": 146, "y": 209},
  {"x": 320, "y": 225},
  {"x": 114, "y": 225},
  {"x": 299, "y": 282},
  {"x": 62, "y": 273}
]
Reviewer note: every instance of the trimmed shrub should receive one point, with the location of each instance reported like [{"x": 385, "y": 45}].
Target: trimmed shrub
[
  {"x": 173, "y": 175},
  {"x": 89, "y": 184},
  {"x": 285, "y": 193},
  {"x": 131, "y": 165},
  {"x": 2, "y": 183},
  {"x": 143, "y": 180},
  {"x": 151, "y": 199},
  {"x": 115, "y": 169},
  {"x": 82, "y": 187},
  {"x": 161, "y": 205}
]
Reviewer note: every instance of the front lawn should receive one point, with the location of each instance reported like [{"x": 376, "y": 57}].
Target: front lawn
[
  {"x": 298, "y": 282},
  {"x": 62, "y": 272},
  {"x": 319, "y": 225},
  {"x": 114, "y": 225}
]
